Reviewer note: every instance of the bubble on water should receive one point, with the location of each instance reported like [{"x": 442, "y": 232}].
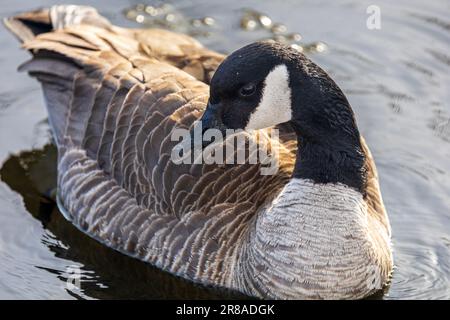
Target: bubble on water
[
  {"x": 316, "y": 47},
  {"x": 294, "y": 37},
  {"x": 140, "y": 18},
  {"x": 248, "y": 23},
  {"x": 265, "y": 21},
  {"x": 297, "y": 47},
  {"x": 278, "y": 28},
  {"x": 320, "y": 46},
  {"x": 208, "y": 21},
  {"x": 170, "y": 17},
  {"x": 151, "y": 10}
]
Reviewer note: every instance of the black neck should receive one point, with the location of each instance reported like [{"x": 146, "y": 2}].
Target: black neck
[
  {"x": 331, "y": 161},
  {"x": 329, "y": 144}
]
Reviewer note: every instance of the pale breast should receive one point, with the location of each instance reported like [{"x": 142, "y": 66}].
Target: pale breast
[{"x": 315, "y": 241}]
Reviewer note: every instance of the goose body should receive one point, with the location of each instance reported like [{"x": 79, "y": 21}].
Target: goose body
[{"x": 317, "y": 229}]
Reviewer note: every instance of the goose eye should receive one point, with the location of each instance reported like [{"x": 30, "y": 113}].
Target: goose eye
[{"x": 247, "y": 90}]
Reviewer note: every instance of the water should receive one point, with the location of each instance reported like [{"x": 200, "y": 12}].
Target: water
[{"x": 396, "y": 78}]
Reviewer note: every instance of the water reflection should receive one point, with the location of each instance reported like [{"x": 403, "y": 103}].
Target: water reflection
[{"x": 105, "y": 273}]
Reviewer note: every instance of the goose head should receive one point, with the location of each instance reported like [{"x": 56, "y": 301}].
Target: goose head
[
  {"x": 267, "y": 83},
  {"x": 251, "y": 89}
]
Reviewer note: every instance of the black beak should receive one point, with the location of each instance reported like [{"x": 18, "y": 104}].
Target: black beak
[{"x": 211, "y": 119}]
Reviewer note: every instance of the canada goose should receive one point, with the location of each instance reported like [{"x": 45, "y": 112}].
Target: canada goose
[{"x": 317, "y": 229}]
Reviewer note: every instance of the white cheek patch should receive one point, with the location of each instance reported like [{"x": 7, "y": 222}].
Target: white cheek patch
[{"x": 275, "y": 105}]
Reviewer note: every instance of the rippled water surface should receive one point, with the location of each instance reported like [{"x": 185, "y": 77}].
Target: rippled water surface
[{"x": 396, "y": 78}]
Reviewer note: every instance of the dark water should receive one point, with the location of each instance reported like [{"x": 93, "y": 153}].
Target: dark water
[{"x": 396, "y": 78}]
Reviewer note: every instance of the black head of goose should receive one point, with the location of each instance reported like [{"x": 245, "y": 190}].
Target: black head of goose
[{"x": 317, "y": 228}]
